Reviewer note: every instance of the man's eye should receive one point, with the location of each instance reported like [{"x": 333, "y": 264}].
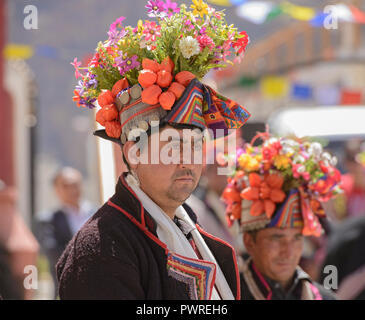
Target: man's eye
[{"x": 275, "y": 237}]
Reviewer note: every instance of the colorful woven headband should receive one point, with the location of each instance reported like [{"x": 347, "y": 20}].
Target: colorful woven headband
[
  {"x": 153, "y": 72},
  {"x": 281, "y": 184}
]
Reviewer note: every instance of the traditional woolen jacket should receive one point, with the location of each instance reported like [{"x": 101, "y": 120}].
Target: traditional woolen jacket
[
  {"x": 256, "y": 286},
  {"x": 117, "y": 255}
]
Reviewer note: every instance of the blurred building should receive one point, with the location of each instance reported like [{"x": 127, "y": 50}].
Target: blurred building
[{"x": 300, "y": 65}]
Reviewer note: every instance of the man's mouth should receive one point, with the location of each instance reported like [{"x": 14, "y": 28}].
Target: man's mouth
[{"x": 185, "y": 179}]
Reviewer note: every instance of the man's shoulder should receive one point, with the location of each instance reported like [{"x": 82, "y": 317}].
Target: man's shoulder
[
  {"x": 107, "y": 225},
  {"x": 108, "y": 234}
]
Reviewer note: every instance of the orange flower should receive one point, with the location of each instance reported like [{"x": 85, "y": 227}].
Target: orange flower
[
  {"x": 119, "y": 86},
  {"x": 177, "y": 89},
  {"x": 113, "y": 129},
  {"x": 167, "y": 64},
  {"x": 151, "y": 94},
  {"x": 164, "y": 78},
  {"x": 167, "y": 100},
  {"x": 150, "y": 65},
  {"x": 264, "y": 193},
  {"x": 110, "y": 112},
  {"x": 105, "y": 98},
  {"x": 233, "y": 200},
  {"x": 147, "y": 78},
  {"x": 184, "y": 77}
]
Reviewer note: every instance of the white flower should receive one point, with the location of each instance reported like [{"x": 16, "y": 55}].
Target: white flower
[
  {"x": 189, "y": 47},
  {"x": 333, "y": 161},
  {"x": 326, "y": 156},
  {"x": 287, "y": 151},
  {"x": 315, "y": 149},
  {"x": 299, "y": 159}
]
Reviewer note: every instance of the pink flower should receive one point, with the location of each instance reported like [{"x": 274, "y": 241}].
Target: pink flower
[
  {"x": 188, "y": 25},
  {"x": 76, "y": 64},
  {"x": 151, "y": 31},
  {"x": 205, "y": 41},
  {"x": 299, "y": 171},
  {"x": 226, "y": 50},
  {"x": 171, "y": 8},
  {"x": 117, "y": 23}
]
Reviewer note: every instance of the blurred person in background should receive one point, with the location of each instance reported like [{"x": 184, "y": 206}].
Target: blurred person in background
[
  {"x": 346, "y": 250},
  {"x": 65, "y": 221},
  {"x": 277, "y": 204}
]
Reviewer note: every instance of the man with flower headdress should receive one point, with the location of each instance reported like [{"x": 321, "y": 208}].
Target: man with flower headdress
[
  {"x": 145, "y": 242},
  {"x": 275, "y": 196}
]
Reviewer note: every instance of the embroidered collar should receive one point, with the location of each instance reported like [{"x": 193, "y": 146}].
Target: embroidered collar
[{"x": 268, "y": 285}]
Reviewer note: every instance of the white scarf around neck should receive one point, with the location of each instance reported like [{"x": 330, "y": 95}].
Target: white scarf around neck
[{"x": 170, "y": 234}]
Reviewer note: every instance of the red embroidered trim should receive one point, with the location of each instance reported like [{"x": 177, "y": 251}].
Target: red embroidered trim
[
  {"x": 238, "y": 296},
  {"x": 139, "y": 225},
  {"x": 269, "y": 296},
  {"x": 132, "y": 192}
]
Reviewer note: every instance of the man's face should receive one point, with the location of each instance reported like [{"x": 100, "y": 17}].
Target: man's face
[
  {"x": 68, "y": 189},
  {"x": 276, "y": 251},
  {"x": 169, "y": 185}
]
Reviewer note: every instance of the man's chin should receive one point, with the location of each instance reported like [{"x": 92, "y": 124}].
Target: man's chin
[
  {"x": 182, "y": 191},
  {"x": 284, "y": 273}
]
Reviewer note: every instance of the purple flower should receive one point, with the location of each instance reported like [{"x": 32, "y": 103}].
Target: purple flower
[
  {"x": 87, "y": 102},
  {"x": 126, "y": 63},
  {"x": 115, "y": 35},
  {"x": 91, "y": 83},
  {"x": 80, "y": 87},
  {"x": 171, "y": 8},
  {"x": 155, "y": 9}
]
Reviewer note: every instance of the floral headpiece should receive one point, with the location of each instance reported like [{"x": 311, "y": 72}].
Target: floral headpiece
[
  {"x": 281, "y": 183},
  {"x": 146, "y": 71}
]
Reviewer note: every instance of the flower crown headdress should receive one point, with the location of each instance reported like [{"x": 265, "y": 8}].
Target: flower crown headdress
[
  {"x": 281, "y": 170},
  {"x": 156, "y": 63}
]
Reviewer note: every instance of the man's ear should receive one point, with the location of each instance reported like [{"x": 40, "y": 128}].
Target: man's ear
[
  {"x": 248, "y": 241},
  {"x": 131, "y": 155}
]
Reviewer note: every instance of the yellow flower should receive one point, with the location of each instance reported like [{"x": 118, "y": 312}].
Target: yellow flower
[
  {"x": 243, "y": 160},
  {"x": 281, "y": 161},
  {"x": 249, "y": 149},
  {"x": 253, "y": 165},
  {"x": 200, "y": 8},
  {"x": 249, "y": 163},
  {"x": 140, "y": 26},
  {"x": 258, "y": 157}
]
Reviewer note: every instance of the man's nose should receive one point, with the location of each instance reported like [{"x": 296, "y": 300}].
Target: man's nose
[{"x": 287, "y": 248}]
